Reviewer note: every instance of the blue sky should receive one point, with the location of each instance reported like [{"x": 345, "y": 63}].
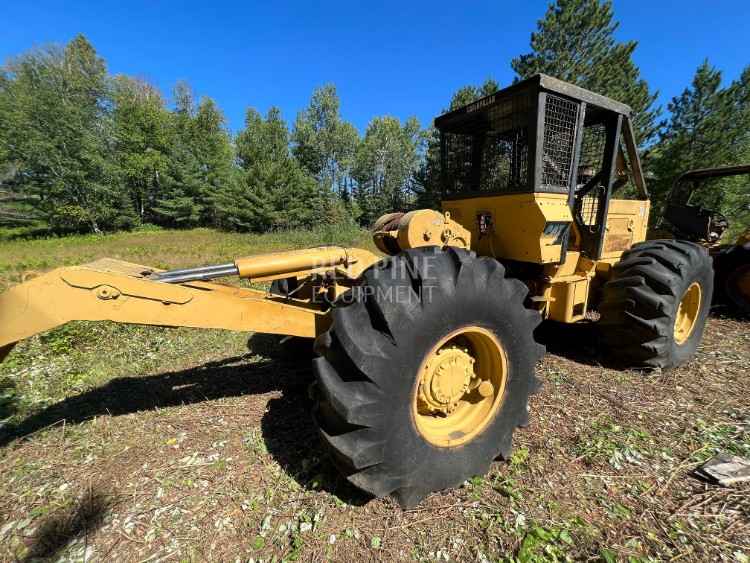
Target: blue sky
[{"x": 396, "y": 58}]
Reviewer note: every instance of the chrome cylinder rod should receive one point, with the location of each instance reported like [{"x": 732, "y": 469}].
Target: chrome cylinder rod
[{"x": 204, "y": 273}]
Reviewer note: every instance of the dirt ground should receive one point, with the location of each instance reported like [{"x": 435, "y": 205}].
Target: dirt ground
[{"x": 150, "y": 444}]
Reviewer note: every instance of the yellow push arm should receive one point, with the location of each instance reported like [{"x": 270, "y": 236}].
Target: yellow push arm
[{"x": 119, "y": 291}]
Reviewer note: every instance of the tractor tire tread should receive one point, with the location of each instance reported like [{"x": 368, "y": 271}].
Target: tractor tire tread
[
  {"x": 640, "y": 302},
  {"x": 357, "y": 383}
]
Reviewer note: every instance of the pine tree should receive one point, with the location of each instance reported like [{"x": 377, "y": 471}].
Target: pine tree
[
  {"x": 272, "y": 191},
  {"x": 262, "y": 139},
  {"x": 200, "y": 165},
  {"x": 736, "y": 204},
  {"x": 213, "y": 148},
  {"x": 468, "y": 94},
  {"x": 55, "y": 111},
  {"x": 575, "y": 42},
  {"x": 248, "y": 206},
  {"x": 386, "y": 161},
  {"x": 709, "y": 126},
  {"x": 142, "y": 144},
  {"x": 323, "y": 143},
  {"x": 178, "y": 204}
]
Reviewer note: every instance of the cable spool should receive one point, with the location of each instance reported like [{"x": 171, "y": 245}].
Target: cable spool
[{"x": 396, "y": 232}]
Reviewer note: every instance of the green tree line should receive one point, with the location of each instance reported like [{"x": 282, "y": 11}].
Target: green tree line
[{"x": 84, "y": 151}]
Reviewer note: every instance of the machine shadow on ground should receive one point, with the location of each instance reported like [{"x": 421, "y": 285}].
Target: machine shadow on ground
[
  {"x": 575, "y": 342},
  {"x": 580, "y": 342},
  {"x": 229, "y": 377},
  {"x": 59, "y": 529},
  {"x": 287, "y": 426}
]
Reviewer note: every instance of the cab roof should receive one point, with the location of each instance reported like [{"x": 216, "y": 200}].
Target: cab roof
[{"x": 538, "y": 83}]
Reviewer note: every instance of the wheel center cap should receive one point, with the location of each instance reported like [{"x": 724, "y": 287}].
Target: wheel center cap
[{"x": 445, "y": 379}]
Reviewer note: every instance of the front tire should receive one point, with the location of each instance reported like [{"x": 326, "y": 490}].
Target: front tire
[
  {"x": 655, "y": 306},
  {"x": 426, "y": 372}
]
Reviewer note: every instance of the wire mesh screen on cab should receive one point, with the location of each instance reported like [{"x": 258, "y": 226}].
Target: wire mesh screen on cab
[
  {"x": 488, "y": 151},
  {"x": 560, "y": 120}
]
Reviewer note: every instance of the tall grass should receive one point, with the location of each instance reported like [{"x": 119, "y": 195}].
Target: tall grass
[
  {"x": 161, "y": 248},
  {"x": 83, "y": 355}
]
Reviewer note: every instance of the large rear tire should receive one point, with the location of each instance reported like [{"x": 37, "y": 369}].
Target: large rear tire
[
  {"x": 654, "y": 308},
  {"x": 425, "y": 373}
]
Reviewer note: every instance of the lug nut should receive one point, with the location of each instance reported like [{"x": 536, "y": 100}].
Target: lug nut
[{"x": 485, "y": 389}]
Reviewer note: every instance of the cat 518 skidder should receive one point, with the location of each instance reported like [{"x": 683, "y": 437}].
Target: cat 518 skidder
[{"x": 426, "y": 357}]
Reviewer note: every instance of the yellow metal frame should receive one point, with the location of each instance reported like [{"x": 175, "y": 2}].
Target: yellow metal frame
[
  {"x": 626, "y": 225},
  {"x": 565, "y": 296},
  {"x": 518, "y": 221},
  {"x": 110, "y": 290},
  {"x": 517, "y": 233},
  {"x": 351, "y": 262}
]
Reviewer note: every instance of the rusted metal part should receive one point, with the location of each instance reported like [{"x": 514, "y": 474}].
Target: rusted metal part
[{"x": 396, "y": 232}]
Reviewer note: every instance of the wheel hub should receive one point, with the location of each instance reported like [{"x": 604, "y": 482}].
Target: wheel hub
[
  {"x": 445, "y": 379},
  {"x": 687, "y": 313},
  {"x": 460, "y": 386}
]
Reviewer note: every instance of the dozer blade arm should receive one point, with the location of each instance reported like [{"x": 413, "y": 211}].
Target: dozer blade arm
[{"x": 111, "y": 290}]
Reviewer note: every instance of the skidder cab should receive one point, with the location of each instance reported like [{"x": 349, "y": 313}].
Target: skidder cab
[
  {"x": 538, "y": 173},
  {"x": 426, "y": 357}
]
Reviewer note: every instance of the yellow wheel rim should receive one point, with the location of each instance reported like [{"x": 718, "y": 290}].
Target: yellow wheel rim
[
  {"x": 460, "y": 386},
  {"x": 687, "y": 313}
]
